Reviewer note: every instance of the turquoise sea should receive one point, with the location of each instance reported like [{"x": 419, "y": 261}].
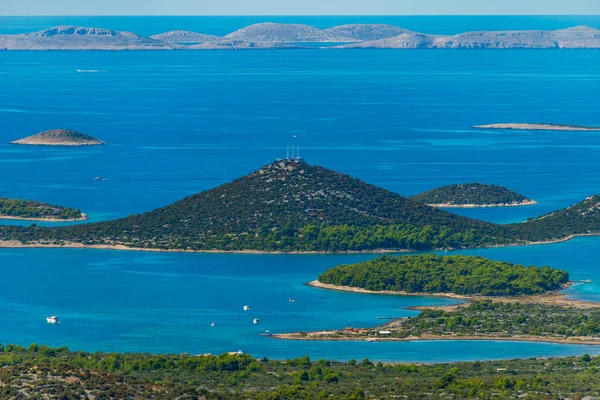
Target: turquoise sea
[{"x": 182, "y": 122}]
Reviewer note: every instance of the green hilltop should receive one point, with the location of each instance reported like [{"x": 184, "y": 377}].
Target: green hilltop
[
  {"x": 476, "y": 194},
  {"x": 290, "y": 205}
]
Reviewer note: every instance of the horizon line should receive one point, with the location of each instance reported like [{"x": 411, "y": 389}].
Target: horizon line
[{"x": 298, "y": 15}]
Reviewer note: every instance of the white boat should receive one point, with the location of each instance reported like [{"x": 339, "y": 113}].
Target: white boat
[
  {"x": 256, "y": 320},
  {"x": 99, "y": 178},
  {"x": 291, "y": 300},
  {"x": 53, "y": 319},
  {"x": 246, "y": 308},
  {"x": 213, "y": 324}
]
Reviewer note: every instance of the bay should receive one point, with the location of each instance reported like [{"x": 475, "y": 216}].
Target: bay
[{"x": 181, "y": 122}]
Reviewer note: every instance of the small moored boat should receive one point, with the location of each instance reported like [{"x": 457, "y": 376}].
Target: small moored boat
[
  {"x": 246, "y": 308},
  {"x": 291, "y": 300},
  {"x": 256, "y": 320},
  {"x": 53, "y": 319}
]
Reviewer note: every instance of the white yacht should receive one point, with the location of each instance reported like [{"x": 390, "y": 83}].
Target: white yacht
[
  {"x": 291, "y": 300},
  {"x": 213, "y": 324},
  {"x": 246, "y": 308},
  {"x": 53, "y": 319},
  {"x": 256, "y": 320}
]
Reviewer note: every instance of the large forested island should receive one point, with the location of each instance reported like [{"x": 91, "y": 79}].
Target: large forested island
[
  {"x": 59, "y": 137},
  {"x": 472, "y": 195},
  {"x": 44, "y": 372},
  {"x": 290, "y": 205},
  {"x": 463, "y": 275},
  {"x": 35, "y": 210}
]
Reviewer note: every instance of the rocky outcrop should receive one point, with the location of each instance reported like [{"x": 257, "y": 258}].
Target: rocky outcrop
[
  {"x": 80, "y": 38},
  {"x": 184, "y": 37}
]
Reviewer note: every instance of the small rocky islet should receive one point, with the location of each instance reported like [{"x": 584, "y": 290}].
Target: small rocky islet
[{"x": 59, "y": 137}]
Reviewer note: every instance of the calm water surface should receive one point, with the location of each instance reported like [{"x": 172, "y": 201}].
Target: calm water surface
[{"x": 182, "y": 122}]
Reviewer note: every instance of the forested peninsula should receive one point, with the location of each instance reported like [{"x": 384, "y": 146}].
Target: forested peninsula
[
  {"x": 463, "y": 275},
  {"x": 472, "y": 195},
  {"x": 35, "y": 210},
  {"x": 292, "y": 206},
  {"x": 505, "y": 301}
]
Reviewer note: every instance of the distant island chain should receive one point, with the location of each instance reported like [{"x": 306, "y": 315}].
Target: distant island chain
[{"x": 270, "y": 35}]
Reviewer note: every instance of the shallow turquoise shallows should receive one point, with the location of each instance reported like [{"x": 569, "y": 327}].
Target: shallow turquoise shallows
[{"x": 181, "y": 122}]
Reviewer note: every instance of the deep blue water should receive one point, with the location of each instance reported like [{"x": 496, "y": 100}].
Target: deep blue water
[{"x": 181, "y": 122}]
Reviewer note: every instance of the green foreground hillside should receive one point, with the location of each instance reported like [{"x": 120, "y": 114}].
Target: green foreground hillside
[
  {"x": 294, "y": 206},
  {"x": 41, "y": 372}
]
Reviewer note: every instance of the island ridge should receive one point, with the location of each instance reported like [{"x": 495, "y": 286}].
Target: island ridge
[
  {"x": 292, "y": 206},
  {"x": 269, "y": 35}
]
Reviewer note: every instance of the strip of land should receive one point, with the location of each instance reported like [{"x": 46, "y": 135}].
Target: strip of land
[
  {"x": 538, "y": 127},
  {"x": 555, "y": 299},
  {"x": 449, "y": 205},
  {"x": 83, "y": 217}
]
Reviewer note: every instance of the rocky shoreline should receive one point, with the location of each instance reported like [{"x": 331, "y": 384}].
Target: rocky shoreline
[{"x": 84, "y": 217}]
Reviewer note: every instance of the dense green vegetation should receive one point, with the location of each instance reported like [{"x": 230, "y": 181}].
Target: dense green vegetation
[
  {"x": 34, "y": 209},
  {"x": 289, "y": 206},
  {"x": 470, "y": 193},
  {"x": 446, "y": 274},
  {"x": 43, "y": 372},
  {"x": 505, "y": 319}
]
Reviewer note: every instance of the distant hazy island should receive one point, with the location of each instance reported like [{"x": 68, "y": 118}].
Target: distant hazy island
[
  {"x": 538, "y": 127},
  {"x": 509, "y": 301},
  {"x": 60, "y": 137},
  {"x": 270, "y": 35},
  {"x": 467, "y": 195},
  {"x": 292, "y": 206},
  {"x": 35, "y": 210}
]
